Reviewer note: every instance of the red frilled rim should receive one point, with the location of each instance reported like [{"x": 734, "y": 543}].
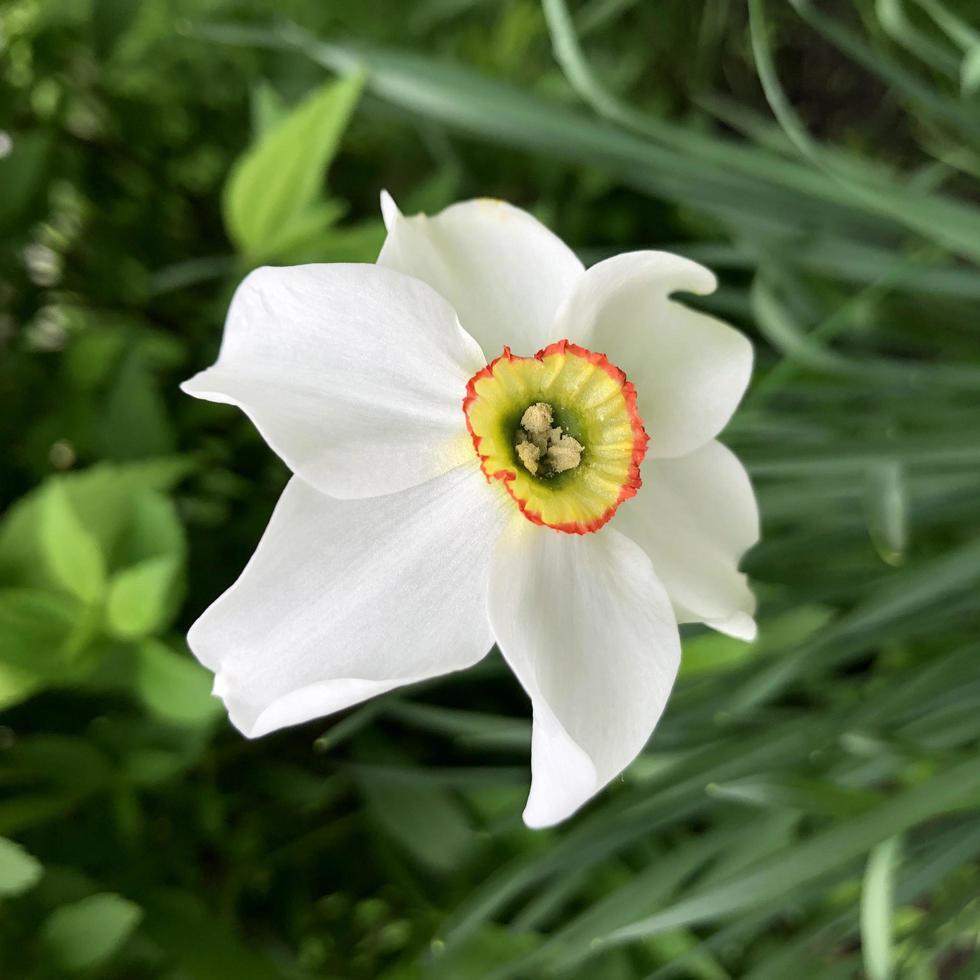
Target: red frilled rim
[{"x": 641, "y": 440}]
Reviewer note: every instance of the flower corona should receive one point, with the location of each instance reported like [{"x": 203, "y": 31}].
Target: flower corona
[{"x": 590, "y": 403}]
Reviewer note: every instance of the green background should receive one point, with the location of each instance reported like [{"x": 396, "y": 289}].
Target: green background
[{"x": 809, "y": 804}]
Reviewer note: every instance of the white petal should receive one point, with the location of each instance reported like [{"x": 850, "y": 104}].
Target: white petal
[
  {"x": 344, "y": 599},
  {"x": 590, "y": 634},
  {"x": 695, "y": 516},
  {"x": 389, "y": 210},
  {"x": 354, "y": 374},
  {"x": 690, "y": 370},
  {"x": 503, "y": 271}
]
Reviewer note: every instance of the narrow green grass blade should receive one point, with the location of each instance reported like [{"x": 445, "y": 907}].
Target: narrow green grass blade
[
  {"x": 893, "y": 18},
  {"x": 824, "y": 852},
  {"x": 626, "y": 820},
  {"x": 923, "y": 96},
  {"x": 877, "y": 906},
  {"x": 957, "y": 229},
  {"x": 490, "y": 110}
]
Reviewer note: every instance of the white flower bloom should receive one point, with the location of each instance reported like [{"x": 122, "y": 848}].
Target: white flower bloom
[{"x": 461, "y": 453}]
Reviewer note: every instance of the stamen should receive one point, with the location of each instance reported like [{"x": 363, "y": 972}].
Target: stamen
[
  {"x": 536, "y": 420},
  {"x": 542, "y": 447}
]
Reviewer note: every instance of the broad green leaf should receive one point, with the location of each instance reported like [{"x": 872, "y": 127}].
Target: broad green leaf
[
  {"x": 154, "y": 767},
  {"x": 71, "y": 551},
  {"x": 152, "y": 530},
  {"x": 69, "y": 763},
  {"x": 19, "y": 871},
  {"x": 425, "y": 820},
  {"x": 268, "y": 108},
  {"x": 175, "y": 687},
  {"x": 280, "y": 177},
  {"x": 299, "y": 234},
  {"x": 877, "y": 906},
  {"x": 139, "y": 597},
  {"x": 93, "y": 355},
  {"x": 359, "y": 242},
  {"x": 86, "y": 933},
  {"x": 109, "y": 501},
  {"x": 27, "y": 810},
  {"x": 16, "y": 684},
  {"x": 40, "y": 632},
  {"x": 22, "y": 173},
  {"x": 133, "y": 422},
  {"x": 102, "y": 493}
]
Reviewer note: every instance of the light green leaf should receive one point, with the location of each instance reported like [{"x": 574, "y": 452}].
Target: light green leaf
[
  {"x": 110, "y": 503},
  {"x": 299, "y": 232},
  {"x": 280, "y": 176},
  {"x": 103, "y": 494},
  {"x": 70, "y": 551},
  {"x": 268, "y": 108},
  {"x": 139, "y": 597},
  {"x": 36, "y": 631},
  {"x": 877, "y": 900},
  {"x": 359, "y": 242},
  {"x": 153, "y": 529},
  {"x": 86, "y": 933},
  {"x": 16, "y": 685},
  {"x": 19, "y": 871},
  {"x": 175, "y": 687}
]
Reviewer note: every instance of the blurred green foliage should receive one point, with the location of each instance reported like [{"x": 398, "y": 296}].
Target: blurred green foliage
[{"x": 809, "y": 802}]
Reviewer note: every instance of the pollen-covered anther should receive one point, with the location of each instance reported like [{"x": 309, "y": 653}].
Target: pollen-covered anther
[{"x": 543, "y": 448}]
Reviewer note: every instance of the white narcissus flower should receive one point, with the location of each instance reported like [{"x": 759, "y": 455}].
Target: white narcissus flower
[{"x": 441, "y": 503}]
